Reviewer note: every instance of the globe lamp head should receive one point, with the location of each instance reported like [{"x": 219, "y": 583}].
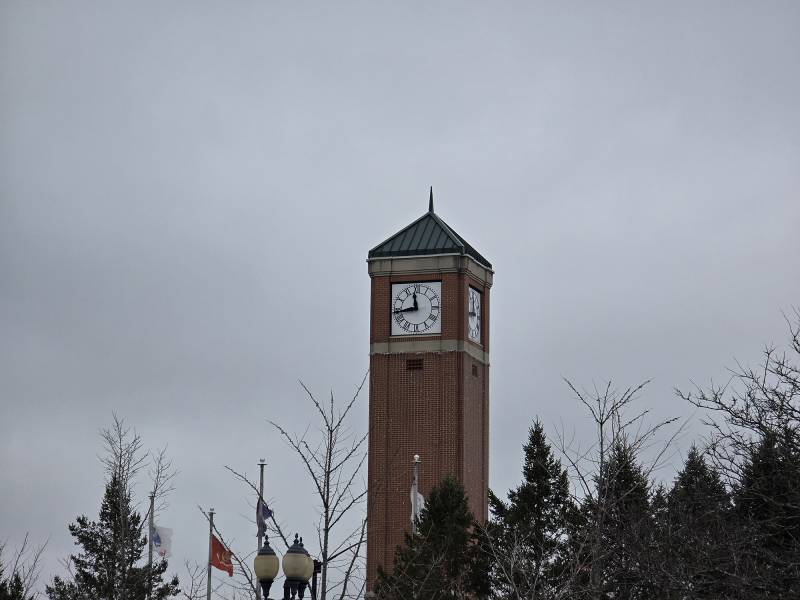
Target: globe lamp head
[{"x": 296, "y": 560}]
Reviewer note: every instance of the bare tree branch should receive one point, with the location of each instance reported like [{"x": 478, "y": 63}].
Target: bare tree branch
[{"x": 334, "y": 462}]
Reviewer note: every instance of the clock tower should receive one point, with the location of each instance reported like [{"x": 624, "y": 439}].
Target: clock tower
[{"x": 429, "y": 376}]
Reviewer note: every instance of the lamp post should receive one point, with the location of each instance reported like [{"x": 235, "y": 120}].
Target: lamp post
[
  {"x": 317, "y": 570},
  {"x": 298, "y": 568}
]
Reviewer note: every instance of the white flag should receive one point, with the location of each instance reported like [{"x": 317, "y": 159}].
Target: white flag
[
  {"x": 162, "y": 541},
  {"x": 416, "y": 507}
]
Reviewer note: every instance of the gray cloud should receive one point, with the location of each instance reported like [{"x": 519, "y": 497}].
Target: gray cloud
[{"x": 188, "y": 193}]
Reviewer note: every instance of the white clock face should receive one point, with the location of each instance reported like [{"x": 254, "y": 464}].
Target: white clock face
[
  {"x": 417, "y": 308},
  {"x": 474, "y": 315}
]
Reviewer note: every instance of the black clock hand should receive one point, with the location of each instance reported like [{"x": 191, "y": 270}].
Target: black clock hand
[
  {"x": 414, "y": 297},
  {"x": 407, "y": 309}
]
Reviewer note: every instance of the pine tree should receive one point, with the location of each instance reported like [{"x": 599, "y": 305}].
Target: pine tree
[
  {"x": 107, "y": 568},
  {"x": 527, "y": 536},
  {"x": 767, "y": 507},
  {"x": 694, "y": 551},
  {"x": 659, "y": 545},
  {"x": 442, "y": 561},
  {"x": 12, "y": 587},
  {"x": 755, "y": 438},
  {"x": 616, "y": 531},
  {"x": 698, "y": 496}
]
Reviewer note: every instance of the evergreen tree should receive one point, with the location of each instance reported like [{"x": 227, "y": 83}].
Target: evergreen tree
[
  {"x": 767, "y": 507},
  {"x": 755, "y": 438},
  {"x": 528, "y": 535},
  {"x": 12, "y": 587},
  {"x": 111, "y": 548},
  {"x": 19, "y": 573},
  {"x": 616, "y": 531},
  {"x": 442, "y": 560},
  {"x": 698, "y": 496},
  {"x": 693, "y": 548},
  {"x": 658, "y": 546}
]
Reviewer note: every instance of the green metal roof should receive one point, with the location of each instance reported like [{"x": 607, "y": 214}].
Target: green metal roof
[{"x": 427, "y": 235}]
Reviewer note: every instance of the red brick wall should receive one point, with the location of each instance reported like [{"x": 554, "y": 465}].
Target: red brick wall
[
  {"x": 475, "y": 425},
  {"x": 439, "y": 412}
]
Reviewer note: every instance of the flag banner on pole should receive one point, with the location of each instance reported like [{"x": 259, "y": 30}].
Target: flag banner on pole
[
  {"x": 263, "y": 513},
  {"x": 162, "y": 541},
  {"x": 420, "y": 504},
  {"x": 221, "y": 557}
]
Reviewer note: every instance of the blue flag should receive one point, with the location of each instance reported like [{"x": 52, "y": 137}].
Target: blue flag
[
  {"x": 161, "y": 539},
  {"x": 263, "y": 513}
]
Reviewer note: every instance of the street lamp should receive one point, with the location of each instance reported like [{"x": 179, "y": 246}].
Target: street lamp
[
  {"x": 266, "y": 567},
  {"x": 298, "y": 568}
]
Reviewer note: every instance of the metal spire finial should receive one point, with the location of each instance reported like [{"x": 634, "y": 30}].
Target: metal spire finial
[{"x": 430, "y": 202}]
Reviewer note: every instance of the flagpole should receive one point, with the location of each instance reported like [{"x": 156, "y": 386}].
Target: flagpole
[
  {"x": 210, "y": 535},
  {"x": 414, "y": 495},
  {"x": 259, "y": 508},
  {"x": 150, "y": 549}
]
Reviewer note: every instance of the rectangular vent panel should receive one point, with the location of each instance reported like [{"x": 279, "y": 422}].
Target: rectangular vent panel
[{"x": 414, "y": 364}]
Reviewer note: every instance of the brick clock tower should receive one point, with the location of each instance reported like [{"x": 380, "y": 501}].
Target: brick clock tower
[{"x": 429, "y": 376}]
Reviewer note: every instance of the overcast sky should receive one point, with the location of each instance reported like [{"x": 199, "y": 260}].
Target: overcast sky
[{"x": 188, "y": 191}]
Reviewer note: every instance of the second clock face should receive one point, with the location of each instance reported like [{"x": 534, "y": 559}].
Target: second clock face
[
  {"x": 417, "y": 308},
  {"x": 474, "y": 315}
]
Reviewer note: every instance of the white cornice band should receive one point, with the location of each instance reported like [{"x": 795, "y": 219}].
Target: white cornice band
[
  {"x": 430, "y": 263},
  {"x": 429, "y": 345}
]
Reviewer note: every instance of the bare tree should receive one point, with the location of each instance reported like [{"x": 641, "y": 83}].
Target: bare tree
[
  {"x": 273, "y": 526},
  {"x": 620, "y": 442},
  {"x": 244, "y": 582},
  {"x": 162, "y": 474},
  {"x": 123, "y": 456},
  {"x": 754, "y": 442},
  {"x": 509, "y": 560},
  {"x": 194, "y": 584},
  {"x": 112, "y": 560},
  {"x": 753, "y": 404},
  {"x": 123, "y": 459},
  {"x": 334, "y": 460},
  {"x": 606, "y": 476},
  {"x": 23, "y": 569}
]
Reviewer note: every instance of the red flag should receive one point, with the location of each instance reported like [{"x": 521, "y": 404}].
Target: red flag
[{"x": 221, "y": 556}]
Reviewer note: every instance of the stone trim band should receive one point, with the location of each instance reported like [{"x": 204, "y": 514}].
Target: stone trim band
[{"x": 413, "y": 346}]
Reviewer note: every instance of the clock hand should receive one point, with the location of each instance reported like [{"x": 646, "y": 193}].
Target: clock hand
[
  {"x": 407, "y": 309},
  {"x": 414, "y": 297}
]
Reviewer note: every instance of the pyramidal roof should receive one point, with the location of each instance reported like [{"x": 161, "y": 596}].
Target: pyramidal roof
[{"x": 427, "y": 235}]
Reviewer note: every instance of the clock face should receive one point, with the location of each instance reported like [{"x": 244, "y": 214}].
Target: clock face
[
  {"x": 474, "y": 315},
  {"x": 417, "y": 308}
]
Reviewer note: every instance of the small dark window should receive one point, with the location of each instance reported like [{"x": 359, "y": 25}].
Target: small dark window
[
  {"x": 474, "y": 370},
  {"x": 414, "y": 364}
]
